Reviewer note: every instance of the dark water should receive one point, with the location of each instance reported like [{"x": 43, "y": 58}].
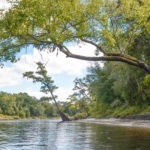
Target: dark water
[{"x": 51, "y": 135}]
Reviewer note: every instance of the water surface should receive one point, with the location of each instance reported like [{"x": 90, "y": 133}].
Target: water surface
[{"x": 52, "y": 135}]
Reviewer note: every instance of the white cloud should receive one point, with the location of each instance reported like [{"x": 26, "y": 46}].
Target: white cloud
[
  {"x": 32, "y": 92},
  {"x": 55, "y": 64},
  {"x": 4, "y": 4},
  {"x": 8, "y": 77},
  {"x": 61, "y": 92}
]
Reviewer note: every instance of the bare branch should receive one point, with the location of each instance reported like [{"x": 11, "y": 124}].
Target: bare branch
[{"x": 108, "y": 57}]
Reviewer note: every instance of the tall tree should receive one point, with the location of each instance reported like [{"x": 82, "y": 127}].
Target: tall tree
[
  {"x": 47, "y": 85},
  {"x": 111, "y": 26}
]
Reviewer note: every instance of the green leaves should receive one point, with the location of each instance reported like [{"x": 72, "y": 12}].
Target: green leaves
[
  {"x": 146, "y": 81},
  {"x": 53, "y": 23},
  {"x": 62, "y": 21},
  {"x": 41, "y": 76}
]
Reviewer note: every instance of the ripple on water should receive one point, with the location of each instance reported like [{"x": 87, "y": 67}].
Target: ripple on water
[{"x": 49, "y": 135}]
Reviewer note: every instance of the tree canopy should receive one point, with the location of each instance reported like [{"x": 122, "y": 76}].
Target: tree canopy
[{"x": 112, "y": 26}]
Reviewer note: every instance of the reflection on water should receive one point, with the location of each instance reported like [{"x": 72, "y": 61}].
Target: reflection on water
[
  {"x": 51, "y": 135},
  {"x": 120, "y": 138}
]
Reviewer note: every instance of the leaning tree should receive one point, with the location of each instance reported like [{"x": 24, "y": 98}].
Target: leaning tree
[
  {"x": 110, "y": 25},
  {"x": 47, "y": 85}
]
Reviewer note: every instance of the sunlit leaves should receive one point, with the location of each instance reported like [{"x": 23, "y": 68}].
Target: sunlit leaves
[
  {"x": 147, "y": 81},
  {"x": 44, "y": 23},
  {"x": 40, "y": 76}
]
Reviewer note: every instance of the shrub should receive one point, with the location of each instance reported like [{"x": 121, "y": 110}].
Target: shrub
[{"x": 80, "y": 116}]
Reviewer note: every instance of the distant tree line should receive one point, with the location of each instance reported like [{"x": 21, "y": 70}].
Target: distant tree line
[{"x": 23, "y": 106}]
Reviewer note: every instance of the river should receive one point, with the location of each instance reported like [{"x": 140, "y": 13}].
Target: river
[{"x": 52, "y": 135}]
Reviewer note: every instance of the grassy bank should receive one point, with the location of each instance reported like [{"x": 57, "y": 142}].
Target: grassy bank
[
  {"x": 122, "y": 111},
  {"x": 6, "y": 117},
  {"x": 104, "y": 111}
]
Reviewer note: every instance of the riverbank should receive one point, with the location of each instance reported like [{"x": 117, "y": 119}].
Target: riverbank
[
  {"x": 119, "y": 122},
  {"x": 6, "y": 117},
  {"x": 130, "y": 121}
]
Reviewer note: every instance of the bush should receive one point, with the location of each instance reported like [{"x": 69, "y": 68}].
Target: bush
[
  {"x": 80, "y": 116},
  {"x": 146, "y": 111},
  {"x": 128, "y": 111},
  {"x": 116, "y": 103},
  {"x": 22, "y": 114},
  {"x": 101, "y": 110}
]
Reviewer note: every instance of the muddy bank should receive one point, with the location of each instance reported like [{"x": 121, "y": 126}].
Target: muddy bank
[
  {"x": 138, "y": 117},
  {"x": 126, "y": 122}
]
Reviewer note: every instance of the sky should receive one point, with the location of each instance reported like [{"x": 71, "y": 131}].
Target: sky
[
  {"x": 62, "y": 70},
  {"x": 3, "y": 4}
]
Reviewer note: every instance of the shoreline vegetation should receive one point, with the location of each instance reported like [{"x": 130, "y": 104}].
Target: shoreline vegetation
[
  {"x": 23, "y": 106},
  {"x": 7, "y": 117},
  {"x": 140, "y": 121}
]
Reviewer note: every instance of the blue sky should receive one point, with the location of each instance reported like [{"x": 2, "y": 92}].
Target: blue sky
[{"x": 62, "y": 70}]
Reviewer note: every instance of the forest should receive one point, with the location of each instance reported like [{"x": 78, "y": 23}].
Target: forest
[
  {"x": 102, "y": 93},
  {"x": 118, "y": 84},
  {"x": 15, "y": 106}
]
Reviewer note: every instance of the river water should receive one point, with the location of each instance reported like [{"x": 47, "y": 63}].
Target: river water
[{"x": 52, "y": 135}]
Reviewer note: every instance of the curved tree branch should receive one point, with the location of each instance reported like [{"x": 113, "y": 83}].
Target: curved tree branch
[
  {"x": 108, "y": 57},
  {"x": 94, "y": 44}
]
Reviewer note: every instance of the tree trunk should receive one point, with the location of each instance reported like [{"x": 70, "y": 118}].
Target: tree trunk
[{"x": 62, "y": 115}]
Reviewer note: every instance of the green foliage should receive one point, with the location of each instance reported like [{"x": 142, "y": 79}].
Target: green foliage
[
  {"x": 80, "y": 116},
  {"x": 115, "y": 89},
  {"x": 146, "y": 81},
  {"x": 77, "y": 105},
  {"x": 118, "y": 94},
  {"x": 118, "y": 28},
  {"x": 146, "y": 110},
  {"x": 37, "y": 110},
  {"x": 101, "y": 87},
  {"x": 23, "y": 106},
  {"x": 146, "y": 89},
  {"x": 126, "y": 111},
  {"x": 116, "y": 103},
  {"x": 53, "y": 23},
  {"x": 47, "y": 84},
  {"x": 49, "y": 109},
  {"x": 22, "y": 114},
  {"x": 101, "y": 109}
]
